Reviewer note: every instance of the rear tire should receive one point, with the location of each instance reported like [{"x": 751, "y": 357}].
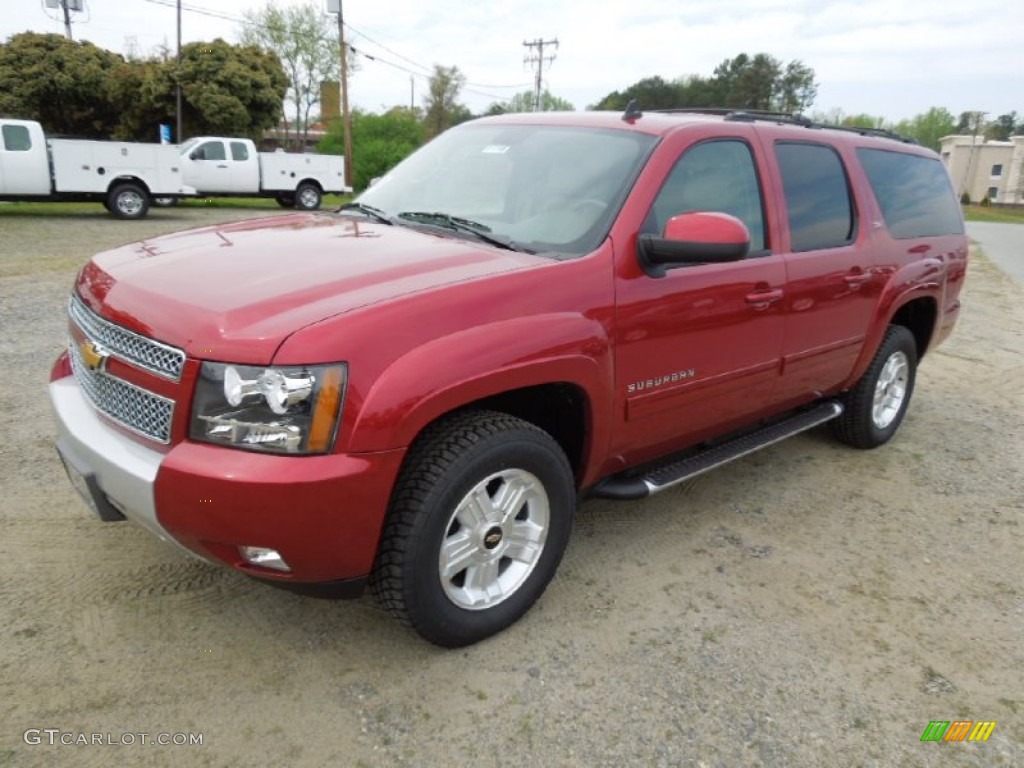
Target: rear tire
[
  {"x": 478, "y": 522},
  {"x": 128, "y": 200},
  {"x": 307, "y": 197},
  {"x": 875, "y": 407}
]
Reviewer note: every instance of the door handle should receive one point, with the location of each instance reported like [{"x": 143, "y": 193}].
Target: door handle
[
  {"x": 222, "y": 166},
  {"x": 763, "y": 297},
  {"x": 856, "y": 279}
]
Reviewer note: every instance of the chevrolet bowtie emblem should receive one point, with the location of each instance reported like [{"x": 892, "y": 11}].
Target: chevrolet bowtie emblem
[{"x": 93, "y": 355}]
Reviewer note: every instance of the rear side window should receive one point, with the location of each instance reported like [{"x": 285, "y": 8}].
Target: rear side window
[
  {"x": 16, "y": 138},
  {"x": 210, "y": 150},
  {"x": 817, "y": 196},
  {"x": 913, "y": 192},
  {"x": 239, "y": 151}
]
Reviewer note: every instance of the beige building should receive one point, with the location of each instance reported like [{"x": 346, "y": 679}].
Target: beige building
[{"x": 992, "y": 169}]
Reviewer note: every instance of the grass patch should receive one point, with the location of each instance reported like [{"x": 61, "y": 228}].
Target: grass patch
[
  {"x": 330, "y": 202},
  {"x": 988, "y": 213},
  {"x": 49, "y": 209}
]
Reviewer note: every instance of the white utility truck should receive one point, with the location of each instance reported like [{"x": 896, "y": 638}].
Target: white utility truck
[
  {"x": 228, "y": 167},
  {"x": 124, "y": 176}
]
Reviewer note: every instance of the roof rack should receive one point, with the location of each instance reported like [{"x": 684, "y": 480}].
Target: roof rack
[{"x": 784, "y": 118}]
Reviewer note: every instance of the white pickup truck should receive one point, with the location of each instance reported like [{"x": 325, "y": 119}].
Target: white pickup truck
[
  {"x": 225, "y": 167},
  {"x": 124, "y": 176}
]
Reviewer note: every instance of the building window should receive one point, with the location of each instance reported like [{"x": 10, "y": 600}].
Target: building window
[
  {"x": 993, "y": 194},
  {"x": 997, "y": 171}
]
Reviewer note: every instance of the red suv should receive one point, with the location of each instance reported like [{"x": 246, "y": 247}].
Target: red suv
[{"x": 414, "y": 391}]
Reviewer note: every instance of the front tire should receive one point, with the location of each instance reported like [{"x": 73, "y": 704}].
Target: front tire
[
  {"x": 128, "y": 201},
  {"x": 477, "y": 526},
  {"x": 307, "y": 197},
  {"x": 875, "y": 407}
]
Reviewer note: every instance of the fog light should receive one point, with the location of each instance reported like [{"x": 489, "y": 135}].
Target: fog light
[{"x": 264, "y": 557}]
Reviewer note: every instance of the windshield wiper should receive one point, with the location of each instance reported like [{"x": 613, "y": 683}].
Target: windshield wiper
[
  {"x": 374, "y": 213},
  {"x": 475, "y": 228}
]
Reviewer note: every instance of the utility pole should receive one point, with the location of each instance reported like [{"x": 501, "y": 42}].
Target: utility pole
[
  {"x": 539, "y": 60},
  {"x": 346, "y": 118},
  {"x": 67, "y": 18},
  {"x": 178, "y": 138}
]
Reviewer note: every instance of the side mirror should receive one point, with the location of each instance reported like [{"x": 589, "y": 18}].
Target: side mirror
[
  {"x": 195, "y": 155},
  {"x": 694, "y": 238}
]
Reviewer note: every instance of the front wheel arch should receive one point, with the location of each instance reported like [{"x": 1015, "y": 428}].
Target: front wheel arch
[{"x": 439, "y": 527}]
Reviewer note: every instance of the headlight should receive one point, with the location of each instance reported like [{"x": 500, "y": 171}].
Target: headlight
[{"x": 288, "y": 409}]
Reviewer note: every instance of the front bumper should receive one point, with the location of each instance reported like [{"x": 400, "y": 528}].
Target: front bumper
[{"x": 323, "y": 514}]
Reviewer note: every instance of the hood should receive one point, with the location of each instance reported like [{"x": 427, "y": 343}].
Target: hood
[{"x": 234, "y": 292}]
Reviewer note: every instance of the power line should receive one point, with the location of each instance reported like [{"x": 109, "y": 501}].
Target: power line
[
  {"x": 197, "y": 9},
  {"x": 425, "y": 72},
  {"x": 389, "y": 50},
  {"x": 429, "y": 70}
]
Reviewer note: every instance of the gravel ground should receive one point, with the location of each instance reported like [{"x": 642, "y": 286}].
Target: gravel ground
[{"x": 810, "y": 605}]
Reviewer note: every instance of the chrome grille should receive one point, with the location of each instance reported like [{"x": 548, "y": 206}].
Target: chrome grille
[
  {"x": 135, "y": 408},
  {"x": 155, "y": 357}
]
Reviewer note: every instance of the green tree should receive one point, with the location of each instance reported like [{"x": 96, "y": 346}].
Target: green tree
[
  {"x": 928, "y": 127},
  {"x": 525, "y": 102},
  {"x": 744, "y": 82},
  {"x": 307, "y": 46},
  {"x": 1002, "y": 127},
  {"x": 864, "y": 120},
  {"x": 226, "y": 89},
  {"x": 441, "y": 104},
  {"x": 65, "y": 85},
  {"x": 650, "y": 93},
  {"x": 796, "y": 89},
  {"x": 970, "y": 123},
  {"x": 748, "y": 82},
  {"x": 379, "y": 142}
]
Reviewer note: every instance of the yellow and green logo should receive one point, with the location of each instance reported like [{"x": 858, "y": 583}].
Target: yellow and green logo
[{"x": 958, "y": 730}]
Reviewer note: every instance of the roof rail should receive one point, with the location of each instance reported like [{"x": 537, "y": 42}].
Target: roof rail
[{"x": 785, "y": 118}]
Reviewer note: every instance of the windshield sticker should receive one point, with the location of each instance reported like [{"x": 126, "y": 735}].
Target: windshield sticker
[{"x": 495, "y": 149}]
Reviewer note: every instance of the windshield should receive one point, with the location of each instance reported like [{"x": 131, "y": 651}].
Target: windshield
[{"x": 543, "y": 188}]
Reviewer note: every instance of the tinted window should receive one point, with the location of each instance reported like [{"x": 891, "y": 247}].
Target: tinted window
[
  {"x": 16, "y": 138},
  {"x": 713, "y": 176},
  {"x": 211, "y": 150},
  {"x": 239, "y": 151},
  {"x": 913, "y": 192},
  {"x": 817, "y": 196}
]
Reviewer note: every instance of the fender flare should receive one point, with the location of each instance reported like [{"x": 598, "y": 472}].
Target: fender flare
[
  {"x": 921, "y": 279},
  {"x": 453, "y": 371}
]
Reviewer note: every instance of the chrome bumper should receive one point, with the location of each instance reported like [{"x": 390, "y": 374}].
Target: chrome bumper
[{"x": 123, "y": 470}]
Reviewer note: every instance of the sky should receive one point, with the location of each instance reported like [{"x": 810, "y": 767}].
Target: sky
[{"x": 887, "y": 58}]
